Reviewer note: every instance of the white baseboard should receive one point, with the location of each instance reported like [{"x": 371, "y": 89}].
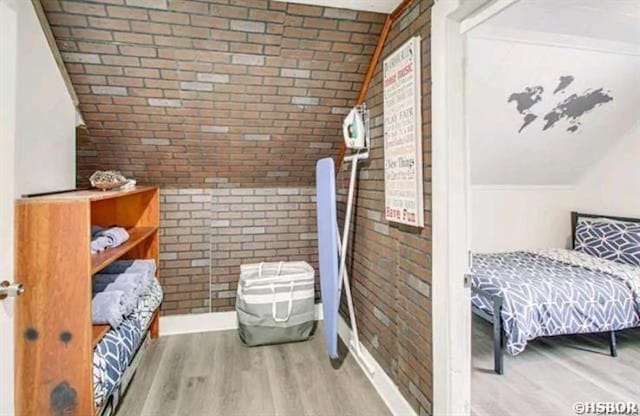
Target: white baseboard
[
  {"x": 383, "y": 384},
  {"x": 197, "y": 322},
  {"x": 206, "y": 322}
]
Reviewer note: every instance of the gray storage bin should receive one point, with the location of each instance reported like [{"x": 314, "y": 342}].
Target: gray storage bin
[{"x": 275, "y": 302}]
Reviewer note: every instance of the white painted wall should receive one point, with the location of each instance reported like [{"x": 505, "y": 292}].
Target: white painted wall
[
  {"x": 8, "y": 42},
  {"x": 520, "y": 217},
  {"x": 524, "y": 185},
  {"x": 45, "y": 113},
  {"x": 612, "y": 186},
  {"x": 500, "y": 63},
  {"x": 507, "y": 218}
]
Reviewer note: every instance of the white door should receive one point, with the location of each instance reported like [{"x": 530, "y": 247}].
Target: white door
[{"x": 8, "y": 42}]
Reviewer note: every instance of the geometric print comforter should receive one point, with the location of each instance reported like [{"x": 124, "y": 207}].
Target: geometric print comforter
[
  {"x": 556, "y": 292},
  {"x": 114, "y": 352}
]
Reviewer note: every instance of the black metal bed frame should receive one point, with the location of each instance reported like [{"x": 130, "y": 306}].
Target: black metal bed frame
[
  {"x": 496, "y": 322},
  {"x": 496, "y": 317}
]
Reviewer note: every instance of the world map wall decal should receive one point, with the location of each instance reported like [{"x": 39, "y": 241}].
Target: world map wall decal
[{"x": 571, "y": 108}]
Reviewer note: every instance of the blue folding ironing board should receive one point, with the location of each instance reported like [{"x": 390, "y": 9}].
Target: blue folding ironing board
[{"x": 328, "y": 250}]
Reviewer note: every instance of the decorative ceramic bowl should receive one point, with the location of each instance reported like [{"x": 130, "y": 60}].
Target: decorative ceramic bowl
[
  {"x": 106, "y": 186},
  {"x": 106, "y": 180}
]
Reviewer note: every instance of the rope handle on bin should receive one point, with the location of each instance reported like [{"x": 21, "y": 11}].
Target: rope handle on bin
[
  {"x": 274, "y": 312},
  {"x": 274, "y": 303},
  {"x": 277, "y": 273}
]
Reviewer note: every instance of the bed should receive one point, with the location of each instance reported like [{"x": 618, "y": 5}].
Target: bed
[
  {"x": 592, "y": 288},
  {"x": 118, "y": 349}
]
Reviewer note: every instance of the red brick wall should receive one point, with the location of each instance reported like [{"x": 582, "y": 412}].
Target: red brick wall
[
  {"x": 391, "y": 264},
  {"x": 185, "y": 250},
  {"x": 227, "y": 94},
  {"x": 205, "y": 92},
  {"x": 252, "y": 225},
  {"x": 206, "y": 234}
]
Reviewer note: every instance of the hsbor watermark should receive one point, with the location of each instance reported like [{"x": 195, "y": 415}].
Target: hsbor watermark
[{"x": 606, "y": 408}]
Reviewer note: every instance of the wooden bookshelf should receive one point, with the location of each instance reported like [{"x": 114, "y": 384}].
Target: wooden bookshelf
[
  {"x": 54, "y": 335},
  {"x": 99, "y": 331},
  {"x": 137, "y": 236}
]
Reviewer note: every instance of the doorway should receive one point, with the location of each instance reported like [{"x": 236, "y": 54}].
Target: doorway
[
  {"x": 529, "y": 167},
  {"x": 8, "y": 36},
  {"x": 451, "y": 294}
]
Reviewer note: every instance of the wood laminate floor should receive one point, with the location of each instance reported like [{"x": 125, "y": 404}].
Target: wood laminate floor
[
  {"x": 553, "y": 373},
  {"x": 214, "y": 374}
]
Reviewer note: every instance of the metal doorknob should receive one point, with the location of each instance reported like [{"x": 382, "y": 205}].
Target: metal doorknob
[{"x": 10, "y": 289}]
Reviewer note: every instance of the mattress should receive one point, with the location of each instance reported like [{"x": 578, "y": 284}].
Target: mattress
[
  {"x": 115, "y": 351},
  {"x": 556, "y": 292}
]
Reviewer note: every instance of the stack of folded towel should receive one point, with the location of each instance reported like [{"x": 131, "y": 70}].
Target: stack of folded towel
[
  {"x": 104, "y": 238},
  {"x": 118, "y": 288}
]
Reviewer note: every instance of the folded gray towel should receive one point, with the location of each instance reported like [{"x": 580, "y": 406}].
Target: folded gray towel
[
  {"x": 95, "y": 229},
  {"x": 129, "y": 300},
  {"x": 139, "y": 279},
  {"x": 147, "y": 266},
  {"x": 128, "y": 266},
  {"x": 104, "y": 238},
  {"x": 108, "y": 308},
  {"x": 116, "y": 235},
  {"x": 105, "y": 278}
]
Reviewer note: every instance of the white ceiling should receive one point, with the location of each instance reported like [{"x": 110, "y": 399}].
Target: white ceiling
[
  {"x": 380, "y": 6},
  {"x": 593, "y": 43},
  {"x": 505, "y": 153},
  {"x": 613, "y": 20}
]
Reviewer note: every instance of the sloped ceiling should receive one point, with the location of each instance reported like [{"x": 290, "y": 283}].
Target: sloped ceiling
[
  {"x": 613, "y": 20},
  {"x": 542, "y": 110}
]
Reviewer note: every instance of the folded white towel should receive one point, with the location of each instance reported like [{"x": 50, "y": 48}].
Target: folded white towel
[{"x": 99, "y": 244}]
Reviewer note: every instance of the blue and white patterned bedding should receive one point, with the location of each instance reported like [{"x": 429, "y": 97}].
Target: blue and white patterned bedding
[
  {"x": 114, "y": 352},
  {"x": 618, "y": 241},
  {"x": 556, "y": 292}
]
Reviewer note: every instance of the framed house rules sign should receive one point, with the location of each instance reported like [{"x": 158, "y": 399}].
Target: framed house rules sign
[{"x": 404, "y": 198}]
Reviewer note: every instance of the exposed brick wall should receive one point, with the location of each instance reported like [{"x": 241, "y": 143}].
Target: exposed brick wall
[
  {"x": 391, "y": 263},
  {"x": 206, "y": 234},
  {"x": 227, "y": 94},
  {"x": 185, "y": 229},
  {"x": 251, "y": 225},
  {"x": 204, "y": 93}
]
